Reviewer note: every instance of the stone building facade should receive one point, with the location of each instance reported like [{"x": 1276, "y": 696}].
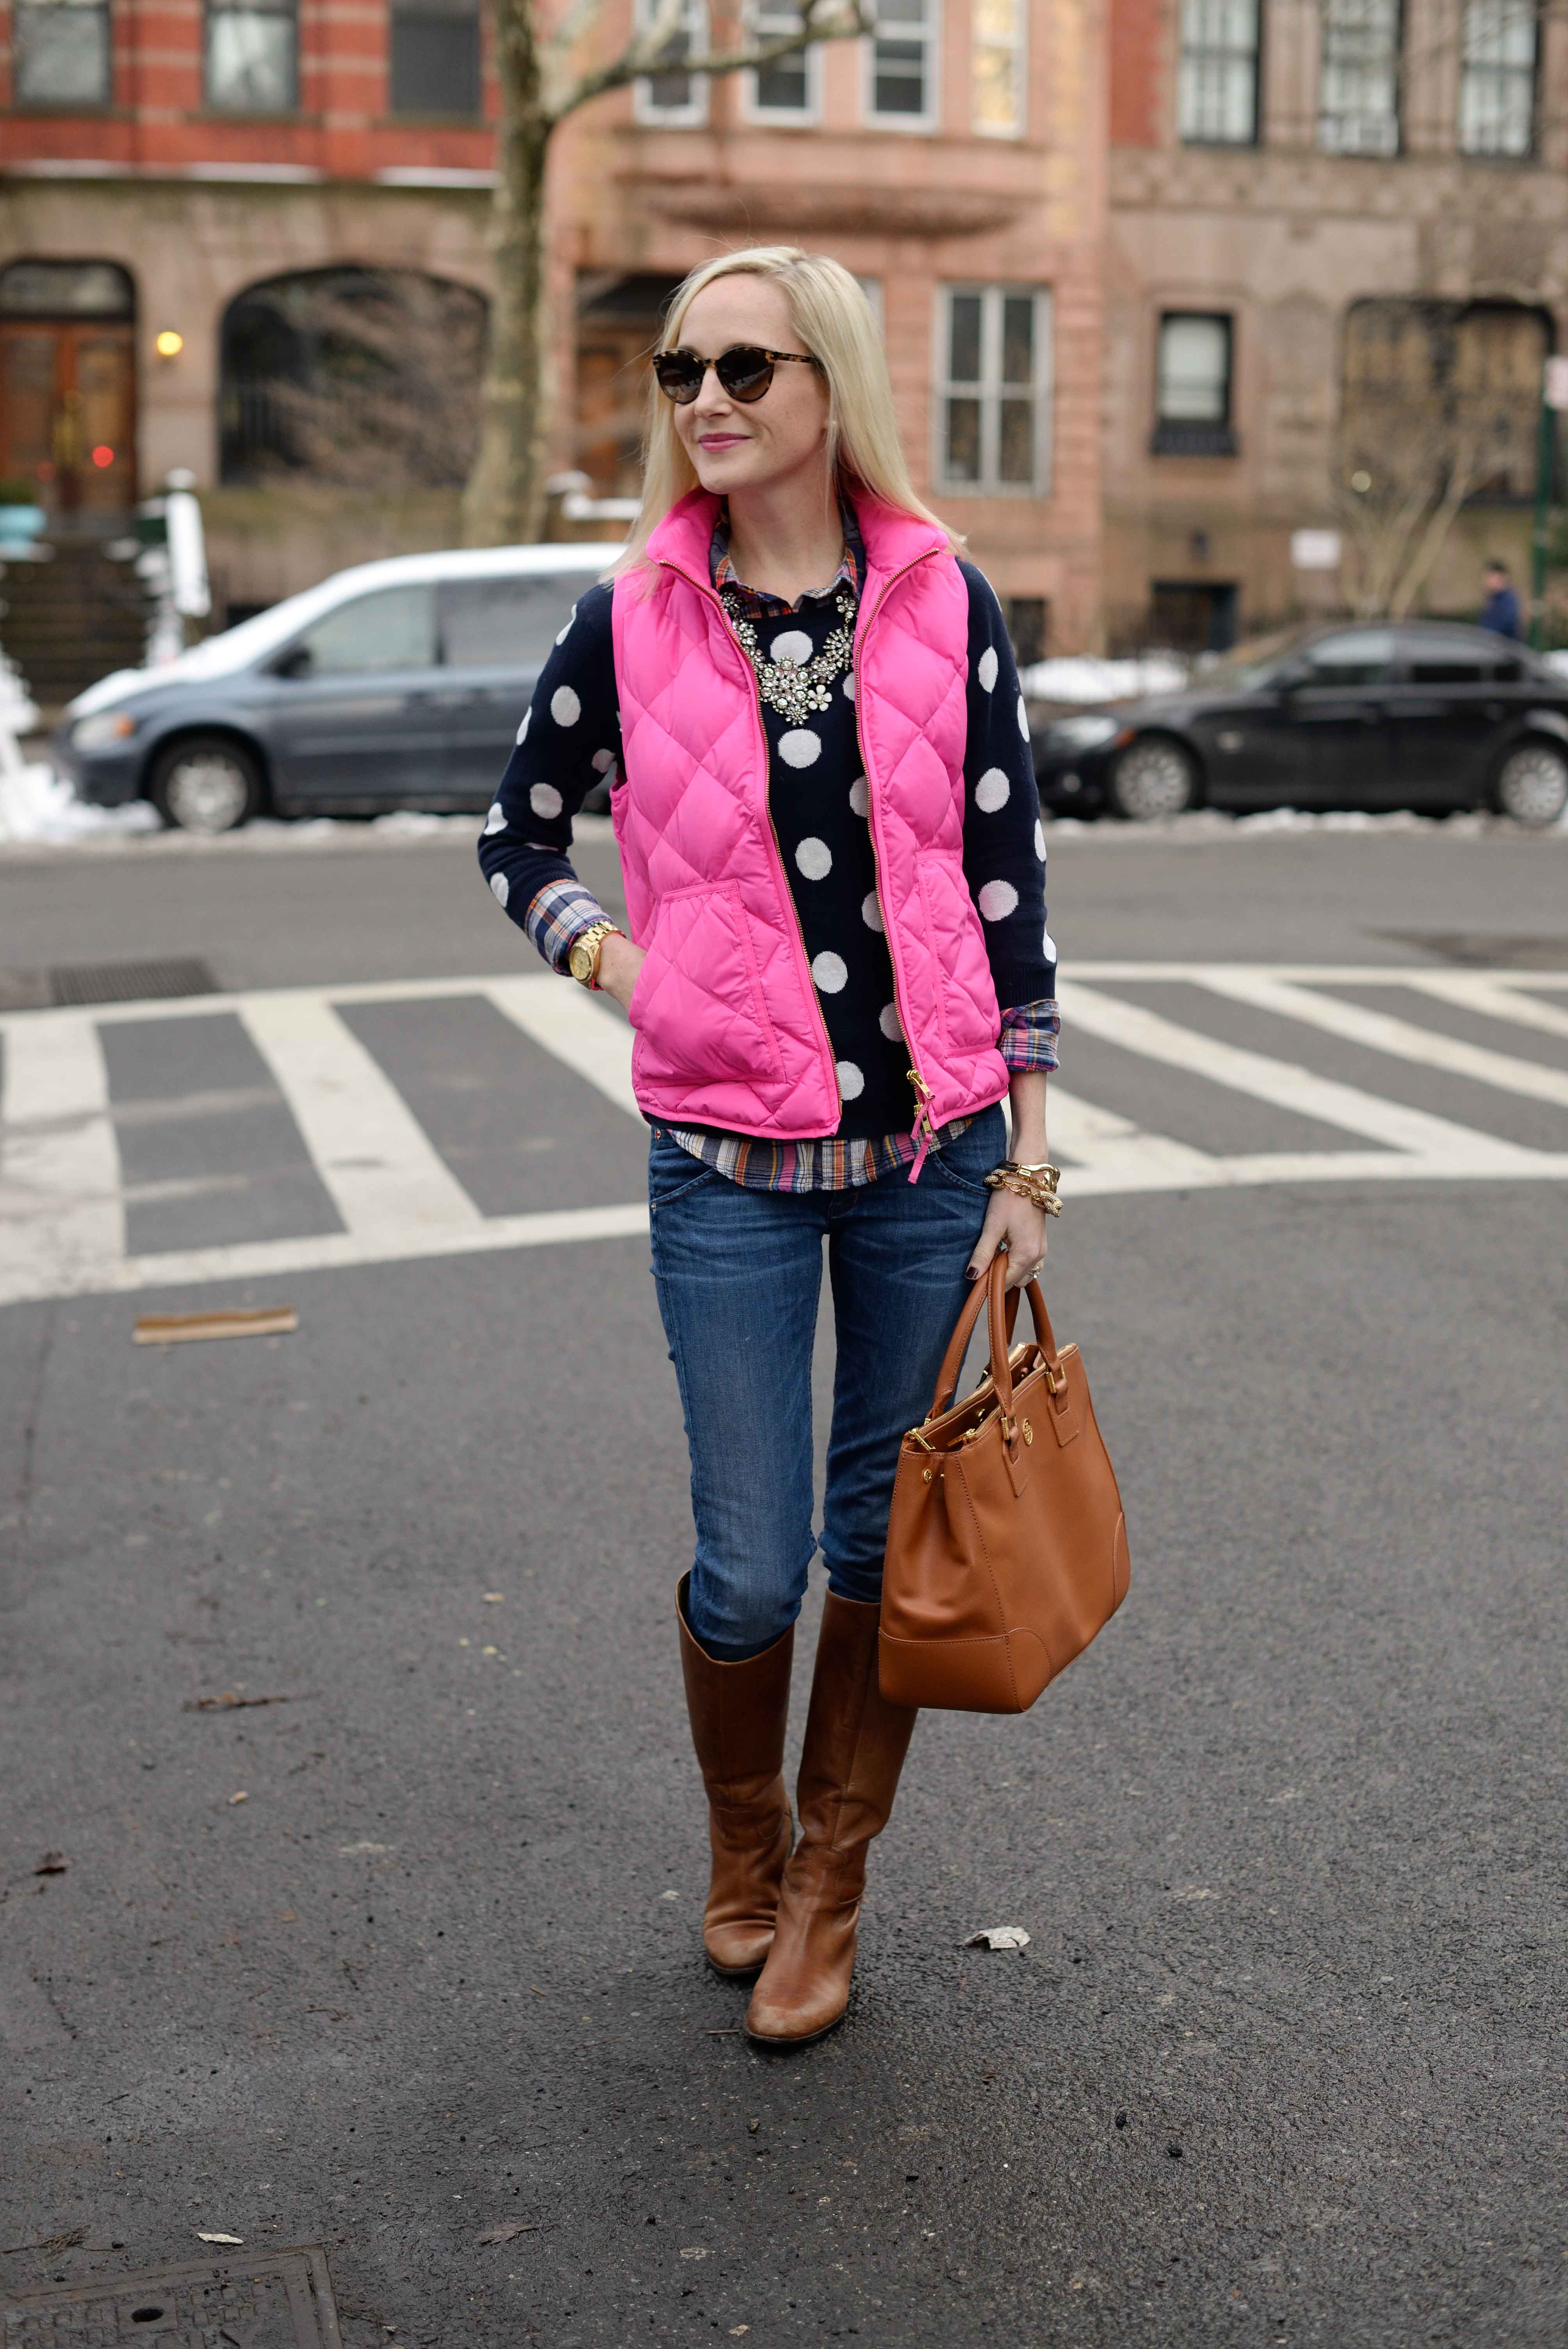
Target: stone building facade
[
  {"x": 179, "y": 177},
  {"x": 1319, "y": 207}
]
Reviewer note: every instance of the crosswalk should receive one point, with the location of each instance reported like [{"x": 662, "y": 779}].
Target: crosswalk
[{"x": 230, "y": 1137}]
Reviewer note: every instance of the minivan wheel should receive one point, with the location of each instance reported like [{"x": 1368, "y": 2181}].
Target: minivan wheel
[
  {"x": 1532, "y": 785},
  {"x": 1152, "y": 778},
  {"x": 206, "y": 784}
]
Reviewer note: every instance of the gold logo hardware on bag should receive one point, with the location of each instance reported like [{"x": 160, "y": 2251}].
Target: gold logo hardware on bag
[{"x": 1007, "y": 1546}]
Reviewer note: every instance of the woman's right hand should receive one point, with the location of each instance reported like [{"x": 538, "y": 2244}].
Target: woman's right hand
[{"x": 619, "y": 963}]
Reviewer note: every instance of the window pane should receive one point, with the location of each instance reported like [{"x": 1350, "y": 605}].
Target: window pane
[
  {"x": 1365, "y": 657},
  {"x": 500, "y": 623},
  {"x": 1497, "y": 86},
  {"x": 435, "y": 63},
  {"x": 1016, "y": 453},
  {"x": 993, "y": 66},
  {"x": 783, "y": 87},
  {"x": 250, "y": 61},
  {"x": 62, "y": 56},
  {"x": 1444, "y": 668},
  {"x": 1359, "y": 95},
  {"x": 394, "y": 628},
  {"x": 964, "y": 441},
  {"x": 96, "y": 289},
  {"x": 899, "y": 83},
  {"x": 1194, "y": 370},
  {"x": 671, "y": 92},
  {"x": 1018, "y": 339},
  {"x": 1217, "y": 78},
  {"x": 964, "y": 338}
]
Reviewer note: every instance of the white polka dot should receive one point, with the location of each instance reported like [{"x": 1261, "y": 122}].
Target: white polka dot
[
  {"x": 495, "y": 820},
  {"x": 794, "y": 647},
  {"x": 500, "y": 889},
  {"x": 986, "y": 668},
  {"x": 522, "y": 729},
  {"x": 815, "y": 858},
  {"x": 1050, "y": 947},
  {"x": 871, "y": 911},
  {"x": 997, "y": 899},
  {"x": 564, "y": 705},
  {"x": 860, "y": 797},
  {"x": 850, "y": 686},
  {"x": 799, "y": 746},
  {"x": 566, "y": 631},
  {"x": 991, "y": 790},
  {"x": 1023, "y": 719},
  {"x": 852, "y": 1081},
  {"x": 544, "y": 799},
  {"x": 1040, "y": 842},
  {"x": 603, "y": 761},
  {"x": 888, "y": 1021},
  {"x": 830, "y": 972}
]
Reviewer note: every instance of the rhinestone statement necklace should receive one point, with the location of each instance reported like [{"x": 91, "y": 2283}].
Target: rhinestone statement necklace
[{"x": 793, "y": 691}]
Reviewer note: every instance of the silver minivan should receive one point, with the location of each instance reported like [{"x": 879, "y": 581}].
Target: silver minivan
[{"x": 399, "y": 684}]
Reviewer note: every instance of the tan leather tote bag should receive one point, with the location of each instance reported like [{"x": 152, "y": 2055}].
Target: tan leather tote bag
[{"x": 1006, "y": 1547}]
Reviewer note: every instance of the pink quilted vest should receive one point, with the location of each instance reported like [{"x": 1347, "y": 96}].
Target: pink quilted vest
[{"x": 727, "y": 1028}]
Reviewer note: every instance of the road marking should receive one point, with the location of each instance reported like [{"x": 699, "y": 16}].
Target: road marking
[
  {"x": 1401, "y": 1037},
  {"x": 62, "y": 1217},
  {"x": 1286, "y": 1085},
  {"x": 62, "y": 1200},
  {"x": 385, "y": 1178}
]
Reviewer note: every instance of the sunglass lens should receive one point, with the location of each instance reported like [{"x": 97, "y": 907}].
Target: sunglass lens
[
  {"x": 744, "y": 372},
  {"x": 679, "y": 377}
]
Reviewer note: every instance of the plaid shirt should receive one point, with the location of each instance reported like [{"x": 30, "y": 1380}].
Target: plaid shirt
[{"x": 560, "y": 911}]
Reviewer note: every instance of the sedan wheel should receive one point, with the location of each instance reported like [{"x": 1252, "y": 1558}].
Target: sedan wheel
[
  {"x": 1533, "y": 785},
  {"x": 1151, "y": 779}
]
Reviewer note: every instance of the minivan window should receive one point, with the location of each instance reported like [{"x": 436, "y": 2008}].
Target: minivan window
[
  {"x": 395, "y": 628},
  {"x": 507, "y": 623},
  {"x": 1364, "y": 656}
]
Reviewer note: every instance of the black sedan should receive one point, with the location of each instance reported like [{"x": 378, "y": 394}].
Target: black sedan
[{"x": 1424, "y": 715}]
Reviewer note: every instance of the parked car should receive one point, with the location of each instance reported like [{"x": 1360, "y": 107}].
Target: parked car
[
  {"x": 397, "y": 684},
  {"x": 1425, "y": 715}
]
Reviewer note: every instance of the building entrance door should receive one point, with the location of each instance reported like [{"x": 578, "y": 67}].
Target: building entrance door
[{"x": 68, "y": 386}]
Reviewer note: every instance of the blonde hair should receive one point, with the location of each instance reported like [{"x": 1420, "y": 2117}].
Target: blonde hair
[{"x": 833, "y": 321}]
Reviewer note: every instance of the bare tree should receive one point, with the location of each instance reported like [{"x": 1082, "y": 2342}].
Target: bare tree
[
  {"x": 540, "y": 84},
  {"x": 1441, "y": 403}
]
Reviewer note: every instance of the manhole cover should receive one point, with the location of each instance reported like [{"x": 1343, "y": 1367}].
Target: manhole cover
[
  {"x": 106, "y": 982},
  {"x": 1484, "y": 951},
  {"x": 277, "y": 2299}
]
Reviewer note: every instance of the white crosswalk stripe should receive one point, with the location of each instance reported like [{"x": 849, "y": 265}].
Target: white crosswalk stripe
[{"x": 63, "y": 1201}]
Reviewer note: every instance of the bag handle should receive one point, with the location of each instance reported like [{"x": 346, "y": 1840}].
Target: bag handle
[{"x": 1003, "y": 1314}]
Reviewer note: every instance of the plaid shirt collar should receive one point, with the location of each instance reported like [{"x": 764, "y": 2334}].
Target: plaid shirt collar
[{"x": 755, "y": 604}]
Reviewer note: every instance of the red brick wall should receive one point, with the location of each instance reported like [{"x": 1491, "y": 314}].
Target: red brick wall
[{"x": 1135, "y": 37}]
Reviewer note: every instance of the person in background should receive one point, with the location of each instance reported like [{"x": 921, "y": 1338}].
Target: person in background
[{"x": 1499, "y": 613}]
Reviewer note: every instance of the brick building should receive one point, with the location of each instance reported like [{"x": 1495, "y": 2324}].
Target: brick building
[
  {"x": 1333, "y": 225},
  {"x": 217, "y": 216}
]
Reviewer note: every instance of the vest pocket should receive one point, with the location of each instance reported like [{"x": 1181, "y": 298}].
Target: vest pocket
[
  {"x": 697, "y": 1008},
  {"x": 957, "y": 943}
]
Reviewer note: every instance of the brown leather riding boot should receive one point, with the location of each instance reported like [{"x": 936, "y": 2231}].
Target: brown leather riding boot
[
  {"x": 738, "y": 1716},
  {"x": 855, "y": 1745}
]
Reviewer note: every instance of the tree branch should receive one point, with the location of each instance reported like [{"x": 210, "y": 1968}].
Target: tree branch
[{"x": 822, "y": 20}]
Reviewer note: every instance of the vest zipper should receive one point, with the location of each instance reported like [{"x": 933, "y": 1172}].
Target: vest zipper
[
  {"x": 923, "y": 1092},
  {"x": 829, "y": 1063}
]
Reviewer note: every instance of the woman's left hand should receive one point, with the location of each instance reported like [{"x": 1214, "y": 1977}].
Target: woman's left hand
[{"x": 1023, "y": 1226}]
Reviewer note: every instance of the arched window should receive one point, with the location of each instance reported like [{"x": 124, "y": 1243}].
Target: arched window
[{"x": 352, "y": 375}]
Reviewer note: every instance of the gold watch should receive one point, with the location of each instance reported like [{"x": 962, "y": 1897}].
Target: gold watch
[{"x": 587, "y": 948}]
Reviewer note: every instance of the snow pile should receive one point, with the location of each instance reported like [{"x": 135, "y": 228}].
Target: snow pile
[
  {"x": 1200, "y": 825},
  {"x": 36, "y": 804},
  {"x": 1078, "y": 678}
]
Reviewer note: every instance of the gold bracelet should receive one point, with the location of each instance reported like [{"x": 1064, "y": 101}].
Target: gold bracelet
[{"x": 1023, "y": 1186}]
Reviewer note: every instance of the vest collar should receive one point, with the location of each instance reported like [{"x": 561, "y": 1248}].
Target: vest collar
[{"x": 893, "y": 539}]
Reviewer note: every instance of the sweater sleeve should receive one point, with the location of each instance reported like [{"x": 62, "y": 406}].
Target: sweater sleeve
[
  {"x": 569, "y": 738},
  {"x": 1005, "y": 840}
]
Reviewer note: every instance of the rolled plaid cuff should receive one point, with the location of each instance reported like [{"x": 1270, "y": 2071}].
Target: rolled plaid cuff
[
  {"x": 1028, "y": 1038},
  {"x": 558, "y": 913}
]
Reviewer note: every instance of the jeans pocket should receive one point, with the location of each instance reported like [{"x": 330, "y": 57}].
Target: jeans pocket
[
  {"x": 673, "y": 1171},
  {"x": 964, "y": 1162}
]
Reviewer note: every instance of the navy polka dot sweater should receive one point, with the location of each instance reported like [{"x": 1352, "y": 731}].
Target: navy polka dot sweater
[{"x": 570, "y": 739}]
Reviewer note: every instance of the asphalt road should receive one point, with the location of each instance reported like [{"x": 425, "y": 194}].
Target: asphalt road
[{"x": 1283, "y": 2058}]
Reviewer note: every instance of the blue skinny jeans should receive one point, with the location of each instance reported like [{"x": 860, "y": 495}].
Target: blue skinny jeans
[{"x": 738, "y": 1275}]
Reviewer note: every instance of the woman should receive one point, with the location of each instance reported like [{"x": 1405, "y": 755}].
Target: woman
[{"x": 835, "y": 875}]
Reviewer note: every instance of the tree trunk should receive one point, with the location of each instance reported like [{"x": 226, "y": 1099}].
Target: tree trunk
[{"x": 504, "y": 504}]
